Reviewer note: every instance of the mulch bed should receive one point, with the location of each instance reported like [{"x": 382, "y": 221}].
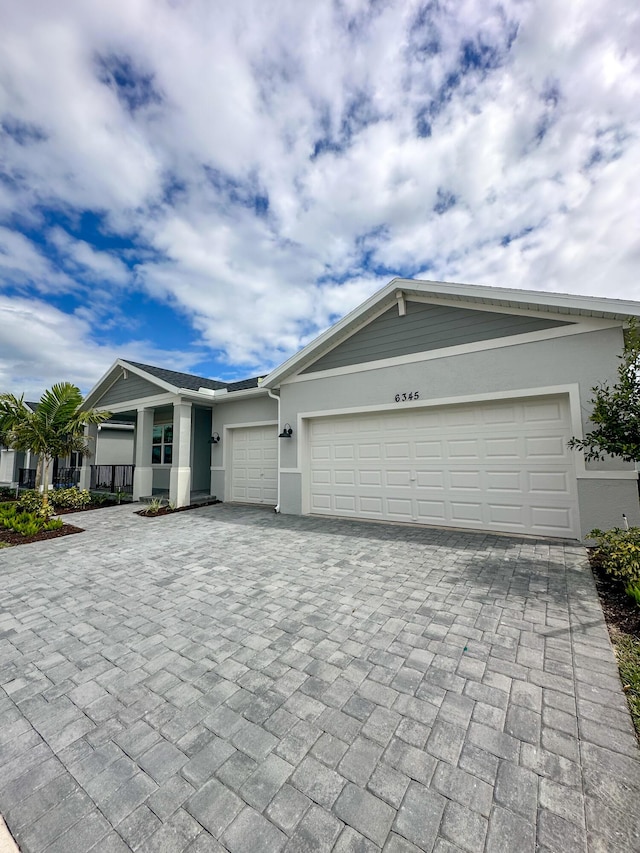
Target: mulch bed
[
  {"x": 621, "y": 613},
  {"x": 8, "y": 537},
  {"x": 165, "y": 510}
]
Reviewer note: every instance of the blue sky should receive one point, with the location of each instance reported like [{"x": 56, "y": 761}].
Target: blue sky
[{"x": 207, "y": 185}]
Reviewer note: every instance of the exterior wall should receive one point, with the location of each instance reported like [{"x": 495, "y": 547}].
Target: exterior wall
[
  {"x": 131, "y": 388},
  {"x": 580, "y": 359},
  {"x": 226, "y": 415},
  {"x": 114, "y": 447},
  {"x": 423, "y": 328}
]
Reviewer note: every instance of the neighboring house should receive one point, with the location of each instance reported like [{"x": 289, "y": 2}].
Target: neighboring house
[
  {"x": 15, "y": 464},
  {"x": 431, "y": 403}
]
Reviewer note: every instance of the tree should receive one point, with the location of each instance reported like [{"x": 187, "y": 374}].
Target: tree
[
  {"x": 56, "y": 428},
  {"x": 616, "y": 408}
]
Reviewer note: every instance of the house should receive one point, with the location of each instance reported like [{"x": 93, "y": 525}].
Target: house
[{"x": 431, "y": 403}]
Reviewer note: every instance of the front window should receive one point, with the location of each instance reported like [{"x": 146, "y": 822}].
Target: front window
[{"x": 162, "y": 446}]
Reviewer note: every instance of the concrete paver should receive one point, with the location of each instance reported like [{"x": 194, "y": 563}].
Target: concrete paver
[{"x": 229, "y": 679}]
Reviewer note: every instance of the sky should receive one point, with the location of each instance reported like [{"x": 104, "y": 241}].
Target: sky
[{"x": 207, "y": 186}]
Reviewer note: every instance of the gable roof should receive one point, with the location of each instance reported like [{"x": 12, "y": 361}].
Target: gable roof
[{"x": 563, "y": 304}]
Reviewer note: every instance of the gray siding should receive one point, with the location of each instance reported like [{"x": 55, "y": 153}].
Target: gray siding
[
  {"x": 423, "y": 328},
  {"x": 131, "y": 388},
  {"x": 201, "y": 449}
]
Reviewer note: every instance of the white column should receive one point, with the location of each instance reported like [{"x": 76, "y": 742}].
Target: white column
[
  {"x": 91, "y": 437},
  {"x": 143, "y": 472},
  {"x": 180, "y": 479}
]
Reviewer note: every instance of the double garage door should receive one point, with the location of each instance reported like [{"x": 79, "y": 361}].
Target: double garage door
[{"x": 501, "y": 466}]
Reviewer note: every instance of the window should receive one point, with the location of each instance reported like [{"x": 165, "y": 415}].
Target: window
[
  {"x": 75, "y": 460},
  {"x": 162, "y": 445}
]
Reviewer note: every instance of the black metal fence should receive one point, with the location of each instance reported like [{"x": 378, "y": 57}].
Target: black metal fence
[
  {"x": 27, "y": 478},
  {"x": 63, "y": 478},
  {"x": 112, "y": 478}
]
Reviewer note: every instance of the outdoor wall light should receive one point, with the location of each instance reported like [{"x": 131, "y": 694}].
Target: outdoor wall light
[
  {"x": 287, "y": 432},
  {"x": 215, "y": 438}
]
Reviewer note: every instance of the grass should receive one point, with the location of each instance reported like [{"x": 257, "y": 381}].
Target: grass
[{"x": 627, "y": 650}]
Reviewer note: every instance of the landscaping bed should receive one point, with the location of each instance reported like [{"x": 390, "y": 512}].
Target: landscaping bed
[
  {"x": 8, "y": 538},
  {"x": 154, "y": 512},
  {"x": 622, "y": 615}
]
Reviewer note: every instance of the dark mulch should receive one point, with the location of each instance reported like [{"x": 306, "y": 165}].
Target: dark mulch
[
  {"x": 165, "y": 510},
  {"x": 68, "y": 511},
  {"x": 8, "y": 537},
  {"x": 621, "y": 612}
]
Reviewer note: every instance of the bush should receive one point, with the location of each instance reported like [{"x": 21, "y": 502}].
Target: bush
[
  {"x": 26, "y": 523},
  {"x": 100, "y": 498},
  {"x": 6, "y": 492},
  {"x": 32, "y": 501},
  {"x": 618, "y": 552},
  {"x": 633, "y": 591},
  {"x": 72, "y": 498}
]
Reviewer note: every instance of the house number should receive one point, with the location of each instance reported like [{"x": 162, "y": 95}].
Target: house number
[{"x": 407, "y": 395}]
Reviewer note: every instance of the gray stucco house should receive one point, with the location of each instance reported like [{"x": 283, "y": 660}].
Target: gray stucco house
[{"x": 431, "y": 403}]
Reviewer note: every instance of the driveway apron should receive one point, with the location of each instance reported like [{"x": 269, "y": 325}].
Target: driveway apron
[{"x": 231, "y": 679}]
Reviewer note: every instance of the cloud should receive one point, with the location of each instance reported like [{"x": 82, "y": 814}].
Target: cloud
[{"x": 262, "y": 168}]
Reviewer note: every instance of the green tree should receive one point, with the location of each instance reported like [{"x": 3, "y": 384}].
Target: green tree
[
  {"x": 616, "y": 408},
  {"x": 56, "y": 428}
]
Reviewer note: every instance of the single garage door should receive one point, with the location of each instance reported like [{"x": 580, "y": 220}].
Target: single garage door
[
  {"x": 254, "y": 467},
  {"x": 498, "y": 466}
]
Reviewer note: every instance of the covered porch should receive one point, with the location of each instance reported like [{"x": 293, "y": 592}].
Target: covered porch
[{"x": 170, "y": 453}]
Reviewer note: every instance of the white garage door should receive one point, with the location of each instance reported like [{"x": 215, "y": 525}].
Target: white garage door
[
  {"x": 254, "y": 468},
  {"x": 497, "y": 466}
]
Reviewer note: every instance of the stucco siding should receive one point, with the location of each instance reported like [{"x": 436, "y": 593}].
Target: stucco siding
[
  {"x": 424, "y": 328},
  {"x": 132, "y": 388},
  {"x": 603, "y": 503}
]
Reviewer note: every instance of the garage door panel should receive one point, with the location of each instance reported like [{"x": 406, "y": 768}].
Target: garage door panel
[
  {"x": 428, "y": 450},
  {"x": 464, "y": 479},
  {"x": 550, "y": 482},
  {"x": 467, "y": 448},
  {"x": 502, "y": 448},
  {"x": 370, "y": 451},
  {"x": 433, "y": 511},
  {"x": 398, "y": 478},
  {"x": 501, "y": 466},
  {"x": 371, "y": 506},
  {"x": 399, "y": 507},
  {"x": 550, "y": 517},
  {"x": 548, "y": 447},
  {"x": 370, "y": 478},
  {"x": 430, "y": 479}
]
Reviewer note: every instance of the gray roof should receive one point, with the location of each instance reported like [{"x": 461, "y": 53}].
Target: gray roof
[{"x": 193, "y": 382}]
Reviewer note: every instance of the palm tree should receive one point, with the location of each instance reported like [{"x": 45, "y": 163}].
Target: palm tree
[{"x": 55, "y": 428}]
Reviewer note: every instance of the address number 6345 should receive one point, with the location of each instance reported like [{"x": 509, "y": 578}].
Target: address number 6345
[{"x": 407, "y": 395}]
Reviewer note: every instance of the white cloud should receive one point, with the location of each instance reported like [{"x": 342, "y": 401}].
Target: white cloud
[{"x": 268, "y": 156}]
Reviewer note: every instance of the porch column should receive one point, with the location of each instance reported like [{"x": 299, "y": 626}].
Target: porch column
[
  {"x": 180, "y": 478},
  {"x": 143, "y": 472},
  {"x": 91, "y": 437}
]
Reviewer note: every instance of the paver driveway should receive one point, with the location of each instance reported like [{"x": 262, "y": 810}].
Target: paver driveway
[{"x": 228, "y": 679}]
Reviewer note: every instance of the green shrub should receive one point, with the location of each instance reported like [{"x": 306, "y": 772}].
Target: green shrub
[
  {"x": 72, "y": 498},
  {"x": 8, "y": 510},
  {"x": 32, "y": 501},
  {"x": 618, "y": 552},
  {"x": 6, "y": 492},
  {"x": 26, "y": 523},
  {"x": 100, "y": 498},
  {"x": 633, "y": 591}
]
